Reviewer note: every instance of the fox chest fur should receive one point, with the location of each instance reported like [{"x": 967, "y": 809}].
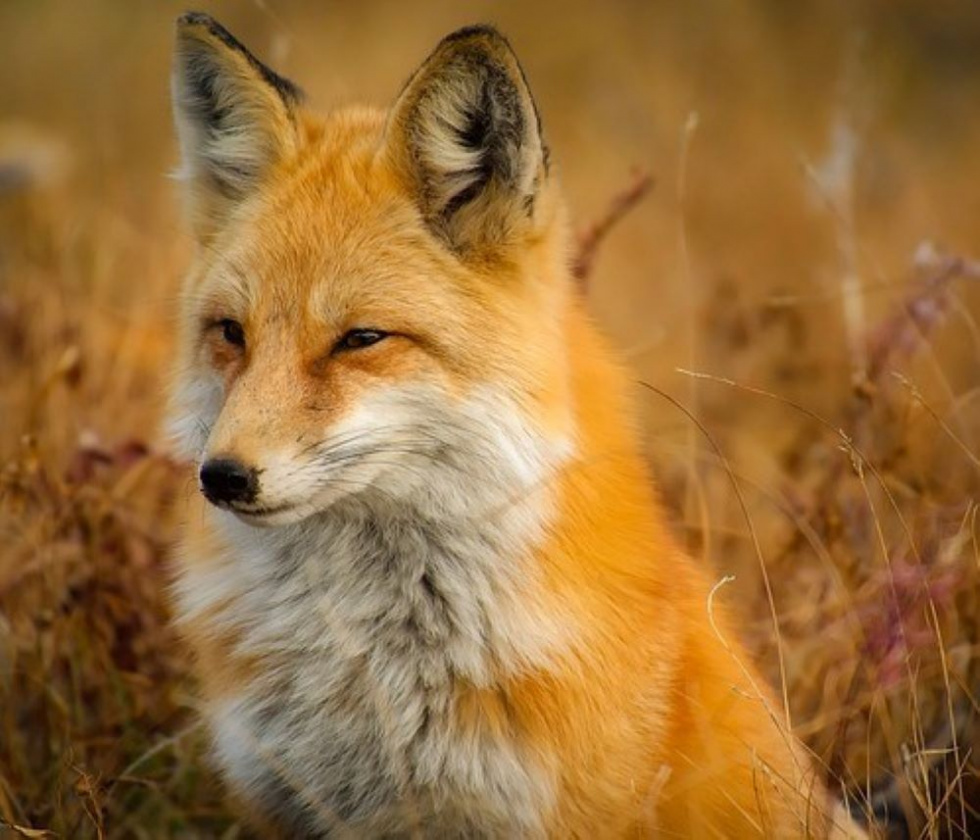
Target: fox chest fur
[{"x": 366, "y": 630}]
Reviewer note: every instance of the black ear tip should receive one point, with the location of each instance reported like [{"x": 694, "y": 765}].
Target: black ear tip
[
  {"x": 289, "y": 91},
  {"x": 484, "y": 32},
  {"x": 196, "y": 19}
]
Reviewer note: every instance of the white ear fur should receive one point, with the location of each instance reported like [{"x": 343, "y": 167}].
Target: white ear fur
[
  {"x": 467, "y": 133},
  {"x": 234, "y": 118}
]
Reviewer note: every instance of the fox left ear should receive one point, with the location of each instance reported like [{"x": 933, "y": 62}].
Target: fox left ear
[
  {"x": 466, "y": 134},
  {"x": 234, "y": 116}
]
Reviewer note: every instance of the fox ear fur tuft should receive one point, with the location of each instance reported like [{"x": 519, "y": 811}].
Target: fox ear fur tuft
[
  {"x": 234, "y": 118},
  {"x": 466, "y": 133}
]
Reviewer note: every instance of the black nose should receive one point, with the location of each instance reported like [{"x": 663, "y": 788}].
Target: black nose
[{"x": 228, "y": 480}]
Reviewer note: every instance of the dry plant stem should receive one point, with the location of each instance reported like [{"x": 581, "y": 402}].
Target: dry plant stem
[
  {"x": 856, "y": 457},
  {"x": 24, "y": 831},
  {"x": 839, "y": 198},
  {"x": 904, "y": 332},
  {"x": 591, "y": 237},
  {"x": 919, "y": 313},
  {"x": 860, "y": 462},
  {"x": 755, "y": 543},
  {"x": 916, "y": 394},
  {"x": 684, "y": 257},
  {"x": 900, "y": 334}
]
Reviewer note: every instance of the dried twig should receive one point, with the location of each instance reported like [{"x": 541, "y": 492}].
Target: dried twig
[
  {"x": 896, "y": 339},
  {"x": 903, "y": 332},
  {"x": 591, "y": 237}
]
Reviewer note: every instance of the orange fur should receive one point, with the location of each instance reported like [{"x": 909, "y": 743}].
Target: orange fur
[{"x": 649, "y": 720}]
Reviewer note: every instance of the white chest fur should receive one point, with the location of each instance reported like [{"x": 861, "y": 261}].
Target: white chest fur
[{"x": 367, "y": 621}]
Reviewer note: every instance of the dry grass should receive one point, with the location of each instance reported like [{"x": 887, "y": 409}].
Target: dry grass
[{"x": 819, "y": 435}]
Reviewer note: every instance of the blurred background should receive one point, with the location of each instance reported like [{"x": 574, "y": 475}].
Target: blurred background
[{"x": 807, "y": 249}]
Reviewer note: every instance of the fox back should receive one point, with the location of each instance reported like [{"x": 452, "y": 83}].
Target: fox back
[{"x": 431, "y": 591}]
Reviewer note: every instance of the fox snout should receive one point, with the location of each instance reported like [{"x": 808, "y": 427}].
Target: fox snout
[{"x": 227, "y": 481}]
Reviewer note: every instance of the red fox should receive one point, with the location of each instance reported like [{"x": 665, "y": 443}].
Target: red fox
[{"x": 434, "y": 592}]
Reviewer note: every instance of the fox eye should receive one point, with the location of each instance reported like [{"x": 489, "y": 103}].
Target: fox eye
[
  {"x": 232, "y": 331},
  {"x": 356, "y": 339}
]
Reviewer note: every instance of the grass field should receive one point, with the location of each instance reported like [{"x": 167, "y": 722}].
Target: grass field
[{"x": 797, "y": 295}]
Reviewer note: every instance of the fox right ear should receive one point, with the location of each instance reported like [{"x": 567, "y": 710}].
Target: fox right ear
[
  {"x": 235, "y": 118},
  {"x": 465, "y": 132}
]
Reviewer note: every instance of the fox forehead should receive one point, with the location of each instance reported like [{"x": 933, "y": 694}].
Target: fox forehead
[{"x": 334, "y": 236}]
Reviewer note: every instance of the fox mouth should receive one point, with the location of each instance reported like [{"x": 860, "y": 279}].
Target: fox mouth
[
  {"x": 251, "y": 513},
  {"x": 265, "y": 511}
]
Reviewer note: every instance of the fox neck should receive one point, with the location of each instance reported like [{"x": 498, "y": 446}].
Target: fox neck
[
  {"x": 445, "y": 575},
  {"x": 393, "y": 607}
]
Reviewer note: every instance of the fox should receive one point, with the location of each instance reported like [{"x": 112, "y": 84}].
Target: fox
[{"x": 429, "y": 584}]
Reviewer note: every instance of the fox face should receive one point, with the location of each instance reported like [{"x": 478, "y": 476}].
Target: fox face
[{"x": 372, "y": 310}]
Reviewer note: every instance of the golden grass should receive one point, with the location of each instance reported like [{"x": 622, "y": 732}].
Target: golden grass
[{"x": 815, "y": 387}]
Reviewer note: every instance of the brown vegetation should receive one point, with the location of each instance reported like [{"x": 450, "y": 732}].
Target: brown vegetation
[{"x": 813, "y": 368}]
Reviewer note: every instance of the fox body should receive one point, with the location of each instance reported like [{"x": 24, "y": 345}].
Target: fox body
[{"x": 432, "y": 592}]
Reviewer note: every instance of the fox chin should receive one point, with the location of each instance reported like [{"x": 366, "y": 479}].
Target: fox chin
[{"x": 428, "y": 582}]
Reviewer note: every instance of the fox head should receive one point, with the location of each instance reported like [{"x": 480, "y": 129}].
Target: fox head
[{"x": 374, "y": 308}]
